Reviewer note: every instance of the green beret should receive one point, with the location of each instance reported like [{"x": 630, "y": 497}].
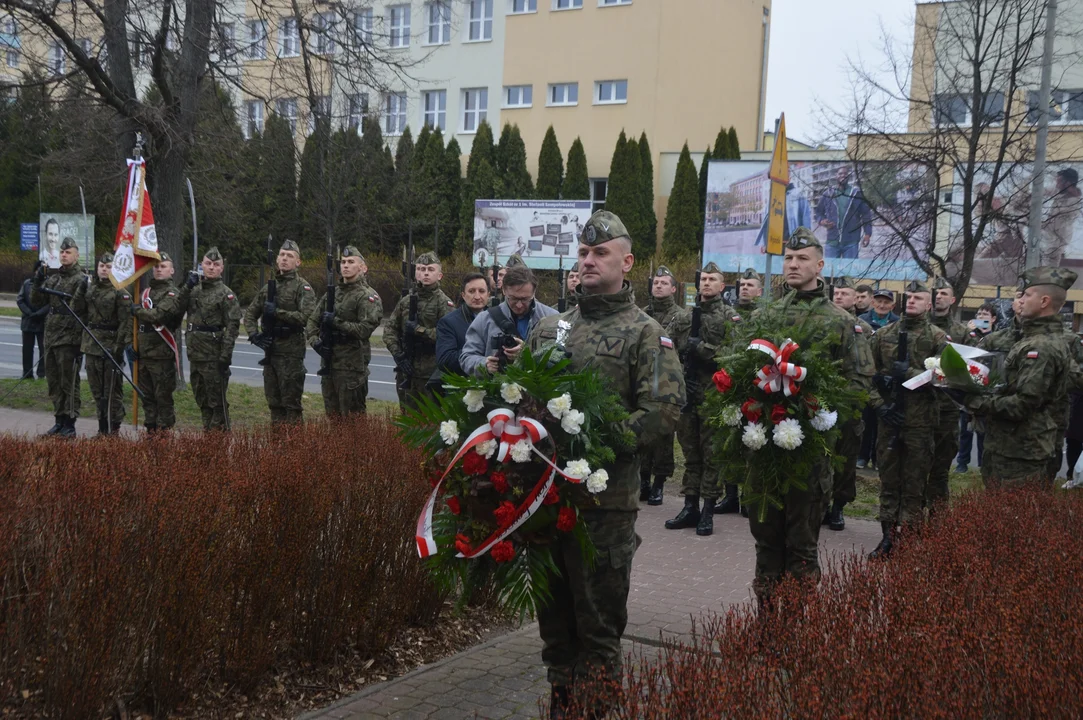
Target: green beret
[
  {"x": 711, "y": 268},
  {"x": 514, "y": 260},
  {"x": 213, "y": 255},
  {"x": 663, "y": 271},
  {"x": 941, "y": 283},
  {"x": 575, "y": 268},
  {"x": 602, "y": 227},
  {"x": 1046, "y": 275},
  {"x": 164, "y": 257},
  {"x": 915, "y": 286},
  {"x": 428, "y": 258},
  {"x": 844, "y": 282},
  {"x": 801, "y": 238},
  {"x": 105, "y": 258},
  {"x": 68, "y": 244},
  {"x": 750, "y": 274},
  {"x": 351, "y": 251},
  {"x": 291, "y": 246}
]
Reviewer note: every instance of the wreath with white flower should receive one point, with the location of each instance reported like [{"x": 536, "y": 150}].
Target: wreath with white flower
[{"x": 513, "y": 458}]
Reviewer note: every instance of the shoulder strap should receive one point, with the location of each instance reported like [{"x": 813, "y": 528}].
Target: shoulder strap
[{"x": 502, "y": 319}]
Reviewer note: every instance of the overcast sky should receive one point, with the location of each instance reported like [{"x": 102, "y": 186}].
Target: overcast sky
[{"x": 810, "y": 43}]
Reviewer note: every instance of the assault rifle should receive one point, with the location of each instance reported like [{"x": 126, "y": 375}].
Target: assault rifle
[
  {"x": 265, "y": 338},
  {"x": 902, "y": 355},
  {"x": 690, "y": 360},
  {"x": 327, "y": 327},
  {"x": 562, "y": 303},
  {"x": 409, "y": 339}
]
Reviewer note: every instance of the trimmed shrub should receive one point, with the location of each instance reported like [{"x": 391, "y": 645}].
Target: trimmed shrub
[{"x": 576, "y": 180}]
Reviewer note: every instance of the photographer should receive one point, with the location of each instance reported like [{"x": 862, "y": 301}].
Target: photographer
[{"x": 496, "y": 337}]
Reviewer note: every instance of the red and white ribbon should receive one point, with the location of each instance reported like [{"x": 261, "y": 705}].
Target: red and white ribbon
[
  {"x": 163, "y": 331},
  {"x": 782, "y": 374}
]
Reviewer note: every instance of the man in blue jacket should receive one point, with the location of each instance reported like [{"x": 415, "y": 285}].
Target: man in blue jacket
[
  {"x": 848, "y": 218},
  {"x": 451, "y": 329}
]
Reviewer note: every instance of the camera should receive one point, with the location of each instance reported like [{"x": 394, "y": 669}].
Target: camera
[{"x": 508, "y": 341}]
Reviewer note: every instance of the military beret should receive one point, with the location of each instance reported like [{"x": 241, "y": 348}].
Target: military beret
[
  {"x": 164, "y": 257},
  {"x": 351, "y": 251},
  {"x": 213, "y": 255},
  {"x": 514, "y": 260},
  {"x": 575, "y": 267},
  {"x": 105, "y": 258},
  {"x": 602, "y": 227},
  {"x": 663, "y": 271},
  {"x": 68, "y": 244},
  {"x": 751, "y": 274},
  {"x": 711, "y": 268},
  {"x": 884, "y": 293},
  {"x": 941, "y": 283},
  {"x": 1046, "y": 275},
  {"x": 844, "y": 282},
  {"x": 291, "y": 246},
  {"x": 915, "y": 286},
  {"x": 428, "y": 258},
  {"x": 801, "y": 238}
]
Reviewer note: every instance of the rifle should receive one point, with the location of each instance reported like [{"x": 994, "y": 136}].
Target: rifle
[
  {"x": 267, "y": 322},
  {"x": 562, "y": 303},
  {"x": 327, "y": 329},
  {"x": 690, "y": 361},
  {"x": 494, "y": 300},
  {"x": 409, "y": 340},
  {"x": 650, "y": 290}
]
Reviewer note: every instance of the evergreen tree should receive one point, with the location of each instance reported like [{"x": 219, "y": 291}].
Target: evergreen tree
[
  {"x": 480, "y": 149},
  {"x": 516, "y": 184},
  {"x": 419, "y": 147},
  {"x": 703, "y": 178},
  {"x": 314, "y": 188},
  {"x": 577, "y": 181},
  {"x": 647, "y": 176},
  {"x": 721, "y": 145},
  {"x": 345, "y": 165},
  {"x": 550, "y": 167},
  {"x": 684, "y": 219},
  {"x": 280, "y": 170},
  {"x": 374, "y": 185},
  {"x": 500, "y": 154},
  {"x": 624, "y": 196},
  {"x": 404, "y": 150},
  {"x": 431, "y": 188},
  {"x": 404, "y": 188},
  {"x": 735, "y": 146},
  {"x": 453, "y": 182},
  {"x": 482, "y": 187}
]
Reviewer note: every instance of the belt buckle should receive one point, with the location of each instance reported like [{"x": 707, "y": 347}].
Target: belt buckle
[{"x": 189, "y": 327}]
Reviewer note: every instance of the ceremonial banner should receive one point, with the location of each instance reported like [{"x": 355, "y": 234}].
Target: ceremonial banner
[{"x": 136, "y": 247}]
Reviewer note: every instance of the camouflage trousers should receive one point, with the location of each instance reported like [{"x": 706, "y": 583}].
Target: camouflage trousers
[
  {"x": 62, "y": 377},
  {"x": 209, "y": 387},
  {"x": 283, "y": 386},
  {"x": 657, "y": 459},
  {"x": 106, "y": 387},
  {"x": 787, "y": 540},
  {"x": 701, "y": 472},
  {"x": 1058, "y": 454},
  {"x": 1000, "y": 470},
  {"x": 582, "y": 626},
  {"x": 411, "y": 388},
  {"x": 946, "y": 442},
  {"x": 158, "y": 381},
  {"x": 904, "y": 459},
  {"x": 844, "y": 488},
  {"x": 345, "y": 392}
]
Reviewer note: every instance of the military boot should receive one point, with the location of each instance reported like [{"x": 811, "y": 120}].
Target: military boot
[
  {"x": 644, "y": 485},
  {"x": 732, "y": 503},
  {"x": 152, "y": 430},
  {"x": 114, "y": 428},
  {"x": 706, "y": 518},
  {"x": 68, "y": 431},
  {"x": 103, "y": 424},
  {"x": 55, "y": 429},
  {"x": 558, "y": 702},
  {"x": 836, "y": 521},
  {"x": 688, "y": 516},
  {"x": 656, "y": 490},
  {"x": 887, "y": 544}
]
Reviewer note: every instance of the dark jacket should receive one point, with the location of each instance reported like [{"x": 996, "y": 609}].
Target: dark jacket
[
  {"x": 33, "y": 317},
  {"x": 876, "y": 321},
  {"x": 450, "y": 338}
]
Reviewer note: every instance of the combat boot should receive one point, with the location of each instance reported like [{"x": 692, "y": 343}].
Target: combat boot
[
  {"x": 644, "y": 485},
  {"x": 836, "y": 521},
  {"x": 68, "y": 431},
  {"x": 152, "y": 430},
  {"x": 887, "y": 544},
  {"x": 103, "y": 424},
  {"x": 114, "y": 428},
  {"x": 732, "y": 503},
  {"x": 705, "y": 526},
  {"x": 55, "y": 429},
  {"x": 558, "y": 702},
  {"x": 688, "y": 516},
  {"x": 656, "y": 490}
]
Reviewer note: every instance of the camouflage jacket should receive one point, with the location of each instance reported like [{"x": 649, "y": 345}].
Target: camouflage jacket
[
  {"x": 1021, "y": 417},
  {"x": 108, "y": 313},
  {"x": 60, "y": 327},
  {"x": 742, "y": 309},
  {"x": 663, "y": 310},
  {"x": 714, "y": 332},
  {"x": 358, "y": 312},
  {"x": 214, "y": 316},
  {"x": 295, "y": 300},
  {"x": 924, "y": 340},
  {"x": 432, "y": 304},
  {"x": 165, "y": 310},
  {"x": 610, "y": 333},
  {"x": 957, "y": 333}
]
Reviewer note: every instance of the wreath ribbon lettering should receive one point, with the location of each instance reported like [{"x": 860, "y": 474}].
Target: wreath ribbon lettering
[{"x": 780, "y": 374}]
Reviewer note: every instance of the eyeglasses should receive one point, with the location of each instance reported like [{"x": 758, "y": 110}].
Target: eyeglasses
[{"x": 512, "y": 300}]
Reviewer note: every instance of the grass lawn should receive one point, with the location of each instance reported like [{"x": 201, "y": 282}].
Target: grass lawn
[
  {"x": 10, "y": 312},
  {"x": 247, "y": 406}
]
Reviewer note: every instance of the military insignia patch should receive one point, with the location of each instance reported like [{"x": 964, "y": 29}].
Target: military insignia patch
[
  {"x": 1032, "y": 355},
  {"x": 229, "y": 297},
  {"x": 611, "y": 346},
  {"x": 858, "y": 329},
  {"x": 666, "y": 342},
  {"x": 372, "y": 298},
  {"x": 450, "y": 304},
  {"x": 736, "y": 318},
  {"x": 171, "y": 294},
  {"x": 589, "y": 234},
  {"x": 308, "y": 288}
]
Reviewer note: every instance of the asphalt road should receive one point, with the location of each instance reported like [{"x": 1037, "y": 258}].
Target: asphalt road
[{"x": 245, "y": 368}]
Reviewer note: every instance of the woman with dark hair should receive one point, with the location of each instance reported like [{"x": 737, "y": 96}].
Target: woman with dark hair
[{"x": 451, "y": 329}]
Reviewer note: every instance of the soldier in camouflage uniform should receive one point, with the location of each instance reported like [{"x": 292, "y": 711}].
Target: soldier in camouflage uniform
[
  {"x": 946, "y": 434},
  {"x": 107, "y": 312},
  {"x": 658, "y": 458},
  {"x": 281, "y": 334},
  {"x": 787, "y": 540},
  {"x": 581, "y": 627},
  {"x": 157, "y": 359},
  {"x": 413, "y": 370},
  {"x": 905, "y": 441},
  {"x": 63, "y": 336},
  {"x": 694, "y": 432},
  {"x": 749, "y": 292},
  {"x": 358, "y": 311},
  {"x": 571, "y": 283},
  {"x": 214, "y": 315},
  {"x": 1021, "y": 419}
]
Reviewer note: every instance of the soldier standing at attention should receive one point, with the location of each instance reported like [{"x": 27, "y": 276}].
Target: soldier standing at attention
[
  {"x": 572, "y": 282},
  {"x": 284, "y": 343},
  {"x": 786, "y": 541},
  {"x": 413, "y": 371},
  {"x": 749, "y": 291},
  {"x": 214, "y": 315},
  {"x": 358, "y": 312},
  {"x": 63, "y": 336},
  {"x": 658, "y": 459},
  {"x": 581, "y": 627},
  {"x": 905, "y": 441},
  {"x": 159, "y": 317},
  {"x": 946, "y": 434},
  {"x": 694, "y": 432},
  {"x": 107, "y": 312}
]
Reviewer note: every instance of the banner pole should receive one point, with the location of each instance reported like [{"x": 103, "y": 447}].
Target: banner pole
[{"x": 135, "y": 361}]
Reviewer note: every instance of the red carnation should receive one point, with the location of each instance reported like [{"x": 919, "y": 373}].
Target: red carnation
[
  {"x": 453, "y": 505},
  {"x": 505, "y": 514},
  {"x": 434, "y": 479},
  {"x": 551, "y": 497},
  {"x": 503, "y": 551},
  {"x": 723, "y": 381},
  {"x": 778, "y": 414},
  {"x": 499, "y": 481},
  {"x": 462, "y": 544},
  {"x": 751, "y": 410},
  {"x": 566, "y": 519},
  {"x": 474, "y": 464}
]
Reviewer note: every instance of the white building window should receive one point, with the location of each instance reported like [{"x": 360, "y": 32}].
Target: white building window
[
  {"x": 324, "y": 40},
  {"x": 257, "y": 40},
  {"x": 598, "y": 189},
  {"x": 607, "y": 3},
  {"x": 287, "y": 109},
  {"x": 227, "y": 41},
  {"x": 12, "y": 58},
  {"x": 475, "y": 108},
  {"x": 399, "y": 23},
  {"x": 481, "y": 20},
  {"x": 359, "y": 108},
  {"x": 439, "y": 23},
  {"x": 86, "y": 46},
  {"x": 564, "y": 94},
  {"x": 523, "y": 6},
  {"x": 955, "y": 109},
  {"x": 321, "y": 111},
  {"x": 1065, "y": 107},
  {"x": 610, "y": 92},
  {"x": 435, "y": 108},
  {"x": 289, "y": 38},
  {"x": 57, "y": 61},
  {"x": 567, "y": 4},
  {"x": 518, "y": 96},
  {"x": 394, "y": 113},
  {"x": 362, "y": 26},
  {"x": 254, "y": 114},
  {"x": 9, "y": 27}
]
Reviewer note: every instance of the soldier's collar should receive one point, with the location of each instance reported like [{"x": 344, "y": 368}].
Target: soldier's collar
[
  {"x": 595, "y": 306},
  {"x": 663, "y": 301}
]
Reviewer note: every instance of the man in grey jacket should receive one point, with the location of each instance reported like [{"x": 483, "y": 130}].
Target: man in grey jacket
[{"x": 496, "y": 337}]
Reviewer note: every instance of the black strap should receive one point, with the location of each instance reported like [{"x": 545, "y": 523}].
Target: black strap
[
  {"x": 503, "y": 320},
  {"x": 192, "y": 327}
]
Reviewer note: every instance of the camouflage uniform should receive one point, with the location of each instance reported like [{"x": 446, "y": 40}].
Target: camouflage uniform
[
  {"x": 358, "y": 312},
  {"x": 432, "y": 304},
  {"x": 581, "y": 628},
  {"x": 108, "y": 313},
  {"x": 1075, "y": 385},
  {"x": 572, "y": 297},
  {"x": 63, "y": 336},
  {"x": 284, "y": 359},
  {"x": 946, "y": 434},
  {"x": 657, "y": 459},
  {"x": 157, "y": 361}
]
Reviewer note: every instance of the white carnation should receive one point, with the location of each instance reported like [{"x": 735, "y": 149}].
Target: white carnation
[
  {"x": 520, "y": 451},
  {"x": 578, "y": 469},
  {"x": 731, "y": 415},
  {"x": 449, "y": 432},
  {"x": 572, "y": 421},
  {"x": 754, "y": 436},
  {"x": 824, "y": 420},
  {"x": 559, "y": 405},
  {"x": 597, "y": 481},
  {"x": 486, "y": 449},
  {"x": 932, "y": 363},
  {"x": 511, "y": 392},
  {"x": 788, "y": 434},
  {"x": 474, "y": 399}
]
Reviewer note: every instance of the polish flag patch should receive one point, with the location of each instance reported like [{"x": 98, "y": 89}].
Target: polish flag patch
[
  {"x": 666, "y": 342},
  {"x": 858, "y": 329},
  {"x": 1032, "y": 355}
]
